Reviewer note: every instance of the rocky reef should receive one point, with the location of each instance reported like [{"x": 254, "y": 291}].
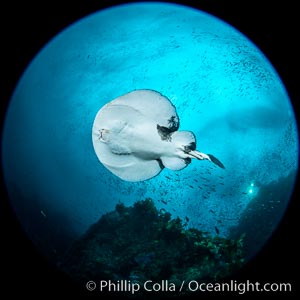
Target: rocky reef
[
  {"x": 139, "y": 243},
  {"x": 259, "y": 219}
]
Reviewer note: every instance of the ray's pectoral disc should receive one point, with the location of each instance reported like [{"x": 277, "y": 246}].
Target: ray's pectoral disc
[{"x": 135, "y": 136}]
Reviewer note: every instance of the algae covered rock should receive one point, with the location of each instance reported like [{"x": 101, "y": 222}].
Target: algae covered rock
[{"x": 139, "y": 243}]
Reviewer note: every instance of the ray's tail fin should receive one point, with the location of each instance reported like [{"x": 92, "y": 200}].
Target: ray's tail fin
[
  {"x": 215, "y": 161},
  {"x": 199, "y": 155}
]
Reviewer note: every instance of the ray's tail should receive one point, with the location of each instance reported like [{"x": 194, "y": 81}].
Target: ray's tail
[
  {"x": 199, "y": 155},
  {"x": 187, "y": 140}
]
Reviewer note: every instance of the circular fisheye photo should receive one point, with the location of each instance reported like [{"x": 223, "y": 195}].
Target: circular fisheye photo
[{"x": 147, "y": 145}]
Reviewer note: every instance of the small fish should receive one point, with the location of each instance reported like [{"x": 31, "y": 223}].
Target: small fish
[
  {"x": 187, "y": 219},
  {"x": 168, "y": 177},
  {"x": 244, "y": 193},
  {"x": 222, "y": 183},
  {"x": 195, "y": 180},
  {"x": 191, "y": 186},
  {"x": 164, "y": 202},
  {"x": 217, "y": 230},
  {"x": 43, "y": 214},
  {"x": 212, "y": 211}
]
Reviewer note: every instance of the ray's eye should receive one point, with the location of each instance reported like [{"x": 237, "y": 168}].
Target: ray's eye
[
  {"x": 103, "y": 135},
  {"x": 100, "y": 134}
]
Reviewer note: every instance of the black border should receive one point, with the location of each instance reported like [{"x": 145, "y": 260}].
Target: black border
[{"x": 27, "y": 26}]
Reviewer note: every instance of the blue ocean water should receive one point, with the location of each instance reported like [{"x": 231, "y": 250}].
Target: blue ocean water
[{"x": 224, "y": 89}]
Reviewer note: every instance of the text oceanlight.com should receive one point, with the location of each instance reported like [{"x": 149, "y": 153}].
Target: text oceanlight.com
[{"x": 186, "y": 286}]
